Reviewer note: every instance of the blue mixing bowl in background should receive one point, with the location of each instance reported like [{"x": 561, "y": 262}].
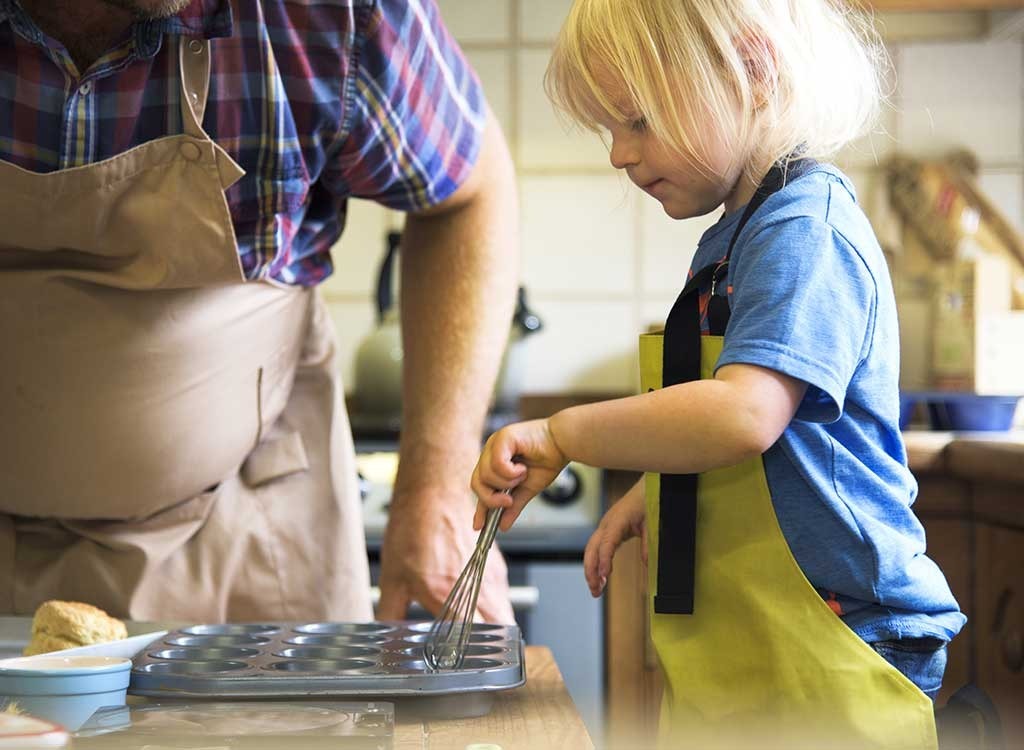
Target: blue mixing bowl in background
[
  {"x": 908, "y": 403},
  {"x": 967, "y": 412},
  {"x": 66, "y": 690}
]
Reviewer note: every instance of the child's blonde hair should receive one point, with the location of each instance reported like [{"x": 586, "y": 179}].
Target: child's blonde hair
[{"x": 774, "y": 76}]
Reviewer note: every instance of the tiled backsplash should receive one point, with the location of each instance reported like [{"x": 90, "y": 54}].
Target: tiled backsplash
[{"x": 601, "y": 261}]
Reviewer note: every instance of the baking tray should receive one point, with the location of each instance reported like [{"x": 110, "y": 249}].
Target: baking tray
[{"x": 322, "y": 659}]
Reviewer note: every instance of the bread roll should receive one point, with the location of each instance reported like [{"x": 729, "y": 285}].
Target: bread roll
[{"x": 58, "y": 625}]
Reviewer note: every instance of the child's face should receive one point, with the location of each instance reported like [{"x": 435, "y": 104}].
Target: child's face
[{"x": 680, "y": 185}]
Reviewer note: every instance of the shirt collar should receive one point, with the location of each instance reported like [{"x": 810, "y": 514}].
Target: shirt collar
[
  {"x": 20, "y": 22},
  {"x": 208, "y": 19}
]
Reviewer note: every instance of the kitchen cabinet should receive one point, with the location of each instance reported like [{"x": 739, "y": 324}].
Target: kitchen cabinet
[
  {"x": 999, "y": 601},
  {"x": 971, "y": 503}
]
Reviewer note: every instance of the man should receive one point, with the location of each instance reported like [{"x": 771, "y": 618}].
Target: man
[{"x": 173, "y": 442}]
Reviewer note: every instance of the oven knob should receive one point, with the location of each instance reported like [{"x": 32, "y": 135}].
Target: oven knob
[
  {"x": 565, "y": 489},
  {"x": 364, "y": 486}
]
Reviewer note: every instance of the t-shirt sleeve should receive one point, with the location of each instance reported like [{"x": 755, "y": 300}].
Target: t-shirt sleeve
[
  {"x": 415, "y": 110},
  {"x": 803, "y": 304}
]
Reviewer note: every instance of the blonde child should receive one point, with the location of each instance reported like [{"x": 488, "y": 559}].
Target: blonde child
[{"x": 792, "y": 601}]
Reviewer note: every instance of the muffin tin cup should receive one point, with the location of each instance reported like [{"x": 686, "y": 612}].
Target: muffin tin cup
[{"x": 336, "y": 659}]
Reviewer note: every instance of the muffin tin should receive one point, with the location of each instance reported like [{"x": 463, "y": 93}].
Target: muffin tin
[{"x": 337, "y": 659}]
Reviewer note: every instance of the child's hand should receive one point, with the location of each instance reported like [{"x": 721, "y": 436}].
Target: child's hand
[
  {"x": 522, "y": 456},
  {"x": 624, "y": 520}
]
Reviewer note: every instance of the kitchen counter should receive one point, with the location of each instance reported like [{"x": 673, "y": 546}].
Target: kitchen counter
[
  {"x": 991, "y": 456},
  {"x": 538, "y": 716}
]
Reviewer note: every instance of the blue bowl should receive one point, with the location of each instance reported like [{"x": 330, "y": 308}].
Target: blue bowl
[
  {"x": 971, "y": 413},
  {"x": 65, "y": 690},
  {"x": 908, "y": 403}
]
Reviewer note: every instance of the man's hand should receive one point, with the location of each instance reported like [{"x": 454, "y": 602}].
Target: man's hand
[{"x": 424, "y": 554}]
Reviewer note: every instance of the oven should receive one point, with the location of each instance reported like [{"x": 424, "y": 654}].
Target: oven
[{"x": 544, "y": 552}]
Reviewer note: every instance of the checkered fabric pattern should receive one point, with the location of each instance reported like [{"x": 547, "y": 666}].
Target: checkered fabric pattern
[{"x": 318, "y": 100}]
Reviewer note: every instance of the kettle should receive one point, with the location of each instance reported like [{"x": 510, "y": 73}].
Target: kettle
[{"x": 378, "y": 363}]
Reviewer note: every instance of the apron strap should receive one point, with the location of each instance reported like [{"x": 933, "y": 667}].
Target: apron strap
[
  {"x": 677, "y": 519},
  {"x": 194, "y": 64}
]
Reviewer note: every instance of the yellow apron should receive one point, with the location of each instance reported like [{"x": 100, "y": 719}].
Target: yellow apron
[{"x": 752, "y": 655}]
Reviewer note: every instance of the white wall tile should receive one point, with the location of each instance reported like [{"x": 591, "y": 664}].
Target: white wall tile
[
  {"x": 584, "y": 346},
  {"x": 547, "y": 141},
  {"x": 540, "y": 20},
  {"x": 473, "y": 21},
  {"x": 578, "y": 235},
  {"x": 667, "y": 246},
  {"x": 493, "y": 67},
  {"x": 357, "y": 255},
  {"x": 962, "y": 94},
  {"x": 655, "y": 309},
  {"x": 1006, "y": 189},
  {"x": 353, "y": 322}
]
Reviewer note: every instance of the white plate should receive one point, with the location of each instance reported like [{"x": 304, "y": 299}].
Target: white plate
[{"x": 126, "y": 648}]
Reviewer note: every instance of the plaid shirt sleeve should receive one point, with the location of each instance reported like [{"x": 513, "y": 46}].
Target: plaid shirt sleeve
[{"x": 415, "y": 111}]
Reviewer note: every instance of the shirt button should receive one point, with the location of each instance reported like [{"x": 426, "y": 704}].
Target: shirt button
[
  {"x": 190, "y": 151},
  {"x": 85, "y": 89}
]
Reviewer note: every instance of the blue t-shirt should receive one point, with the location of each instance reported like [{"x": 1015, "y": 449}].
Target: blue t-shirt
[{"x": 811, "y": 298}]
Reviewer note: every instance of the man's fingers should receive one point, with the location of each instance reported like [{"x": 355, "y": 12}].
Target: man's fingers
[
  {"x": 394, "y": 603},
  {"x": 493, "y": 604},
  {"x": 432, "y": 593},
  {"x": 496, "y": 609}
]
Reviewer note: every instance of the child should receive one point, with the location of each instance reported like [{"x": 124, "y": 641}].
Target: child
[{"x": 775, "y": 383}]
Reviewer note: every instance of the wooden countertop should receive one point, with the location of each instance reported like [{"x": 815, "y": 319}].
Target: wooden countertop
[
  {"x": 538, "y": 716},
  {"x": 988, "y": 456}
]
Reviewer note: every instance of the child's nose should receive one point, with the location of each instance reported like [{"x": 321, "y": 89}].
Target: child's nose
[{"x": 623, "y": 153}]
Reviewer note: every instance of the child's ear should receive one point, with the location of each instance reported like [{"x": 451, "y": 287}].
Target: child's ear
[{"x": 761, "y": 62}]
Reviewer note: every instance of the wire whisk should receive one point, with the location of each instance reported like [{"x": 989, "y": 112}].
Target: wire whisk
[{"x": 445, "y": 647}]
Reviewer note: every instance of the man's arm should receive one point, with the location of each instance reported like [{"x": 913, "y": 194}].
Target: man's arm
[{"x": 460, "y": 271}]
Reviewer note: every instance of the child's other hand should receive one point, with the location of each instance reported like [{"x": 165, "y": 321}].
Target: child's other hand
[
  {"x": 624, "y": 520},
  {"x": 522, "y": 457}
]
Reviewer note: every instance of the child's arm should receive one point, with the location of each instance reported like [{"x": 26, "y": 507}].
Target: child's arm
[{"x": 682, "y": 429}]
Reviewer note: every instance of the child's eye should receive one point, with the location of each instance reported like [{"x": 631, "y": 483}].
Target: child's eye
[{"x": 638, "y": 125}]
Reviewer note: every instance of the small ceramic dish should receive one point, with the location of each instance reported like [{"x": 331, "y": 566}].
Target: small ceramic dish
[{"x": 66, "y": 690}]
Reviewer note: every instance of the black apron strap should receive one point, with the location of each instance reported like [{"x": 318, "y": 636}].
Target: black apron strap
[{"x": 677, "y": 520}]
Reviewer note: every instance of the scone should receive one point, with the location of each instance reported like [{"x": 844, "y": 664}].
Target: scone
[{"x": 58, "y": 625}]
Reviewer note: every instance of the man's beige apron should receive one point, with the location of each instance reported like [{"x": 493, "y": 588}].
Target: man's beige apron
[{"x": 173, "y": 440}]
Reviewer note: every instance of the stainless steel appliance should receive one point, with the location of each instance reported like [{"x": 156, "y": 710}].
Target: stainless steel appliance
[{"x": 544, "y": 551}]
